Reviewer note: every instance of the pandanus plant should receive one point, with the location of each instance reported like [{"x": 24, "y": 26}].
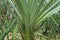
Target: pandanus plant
[{"x": 31, "y": 15}]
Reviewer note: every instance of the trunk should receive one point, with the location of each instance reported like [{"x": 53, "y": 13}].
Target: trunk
[
  {"x": 27, "y": 34},
  {"x": 28, "y": 37}
]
